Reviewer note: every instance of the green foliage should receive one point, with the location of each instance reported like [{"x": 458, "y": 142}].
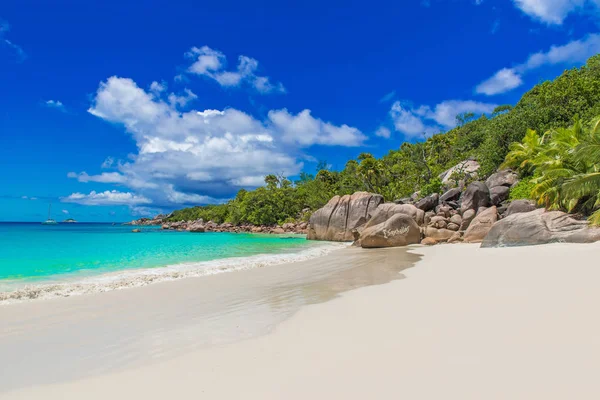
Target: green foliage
[
  {"x": 522, "y": 190},
  {"x": 431, "y": 187},
  {"x": 565, "y": 171},
  {"x": 566, "y": 166}
]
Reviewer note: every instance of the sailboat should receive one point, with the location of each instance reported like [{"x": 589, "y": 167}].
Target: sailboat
[{"x": 49, "y": 221}]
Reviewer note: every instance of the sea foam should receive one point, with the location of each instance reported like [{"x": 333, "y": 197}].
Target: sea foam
[{"x": 141, "y": 277}]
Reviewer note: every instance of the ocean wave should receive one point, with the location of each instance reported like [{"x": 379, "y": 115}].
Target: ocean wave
[{"x": 142, "y": 277}]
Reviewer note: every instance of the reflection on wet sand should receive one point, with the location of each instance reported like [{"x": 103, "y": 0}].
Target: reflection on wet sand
[{"x": 81, "y": 336}]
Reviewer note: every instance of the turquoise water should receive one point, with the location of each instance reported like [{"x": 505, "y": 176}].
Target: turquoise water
[{"x": 32, "y": 253}]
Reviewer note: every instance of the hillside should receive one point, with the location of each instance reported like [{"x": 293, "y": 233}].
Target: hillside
[{"x": 416, "y": 166}]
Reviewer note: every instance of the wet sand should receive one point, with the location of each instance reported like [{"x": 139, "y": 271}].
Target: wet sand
[
  {"x": 466, "y": 323},
  {"x": 59, "y": 340}
]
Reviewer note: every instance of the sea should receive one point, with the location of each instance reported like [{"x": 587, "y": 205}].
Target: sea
[{"x": 44, "y": 261}]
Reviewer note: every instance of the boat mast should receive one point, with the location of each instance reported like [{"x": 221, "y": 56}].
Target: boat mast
[{"x": 49, "y": 210}]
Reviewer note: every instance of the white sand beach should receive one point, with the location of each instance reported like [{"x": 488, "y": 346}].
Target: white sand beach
[{"x": 464, "y": 323}]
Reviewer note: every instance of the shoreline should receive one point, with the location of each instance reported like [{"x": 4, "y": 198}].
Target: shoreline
[
  {"x": 76, "y": 337},
  {"x": 68, "y": 286},
  {"x": 479, "y": 323}
]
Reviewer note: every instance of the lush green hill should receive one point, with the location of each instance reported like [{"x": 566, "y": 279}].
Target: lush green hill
[{"x": 415, "y": 167}]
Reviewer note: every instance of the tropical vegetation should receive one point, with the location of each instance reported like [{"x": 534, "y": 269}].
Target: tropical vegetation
[
  {"x": 562, "y": 167},
  {"x": 415, "y": 167}
]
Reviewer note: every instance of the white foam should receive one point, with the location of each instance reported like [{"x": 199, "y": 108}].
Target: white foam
[{"x": 142, "y": 277}]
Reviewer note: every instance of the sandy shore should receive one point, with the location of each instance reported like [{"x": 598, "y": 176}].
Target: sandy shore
[{"x": 466, "y": 323}]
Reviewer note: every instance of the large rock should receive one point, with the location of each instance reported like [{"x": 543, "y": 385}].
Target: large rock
[
  {"x": 467, "y": 168},
  {"x": 456, "y": 219},
  {"x": 481, "y": 225},
  {"x": 440, "y": 235},
  {"x": 451, "y": 195},
  {"x": 197, "y": 227},
  {"x": 428, "y": 241},
  {"x": 498, "y": 194},
  {"x": 341, "y": 215},
  {"x": 387, "y": 210},
  {"x": 453, "y": 227},
  {"x": 540, "y": 227},
  {"x": 477, "y": 195},
  {"x": 505, "y": 177},
  {"x": 404, "y": 200},
  {"x": 520, "y": 206},
  {"x": 428, "y": 203},
  {"x": 467, "y": 217},
  {"x": 399, "y": 230},
  {"x": 438, "y": 222}
]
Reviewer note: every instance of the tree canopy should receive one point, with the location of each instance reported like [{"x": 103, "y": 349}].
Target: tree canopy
[{"x": 549, "y": 106}]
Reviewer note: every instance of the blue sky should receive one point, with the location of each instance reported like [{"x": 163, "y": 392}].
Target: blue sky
[{"x": 113, "y": 110}]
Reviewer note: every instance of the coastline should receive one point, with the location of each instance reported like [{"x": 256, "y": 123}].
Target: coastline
[
  {"x": 131, "y": 278},
  {"x": 466, "y": 323},
  {"x": 80, "y": 336}
]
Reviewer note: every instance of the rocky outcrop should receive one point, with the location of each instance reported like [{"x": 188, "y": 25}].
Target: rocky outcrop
[
  {"x": 157, "y": 220},
  {"x": 341, "y": 215},
  {"x": 450, "y": 195},
  {"x": 505, "y": 177},
  {"x": 498, "y": 194},
  {"x": 200, "y": 226},
  {"x": 440, "y": 235},
  {"x": 197, "y": 227},
  {"x": 398, "y": 230},
  {"x": 428, "y": 203},
  {"x": 540, "y": 227},
  {"x": 520, "y": 206},
  {"x": 481, "y": 225},
  {"x": 428, "y": 241},
  {"x": 476, "y": 195},
  {"x": 466, "y": 169},
  {"x": 387, "y": 210}
]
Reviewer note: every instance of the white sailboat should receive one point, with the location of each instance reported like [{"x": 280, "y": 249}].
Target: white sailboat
[{"x": 49, "y": 221}]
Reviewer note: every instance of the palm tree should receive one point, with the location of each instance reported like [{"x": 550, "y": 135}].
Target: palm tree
[
  {"x": 523, "y": 154},
  {"x": 567, "y": 167}
]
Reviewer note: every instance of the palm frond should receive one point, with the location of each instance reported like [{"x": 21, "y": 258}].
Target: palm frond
[{"x": 594, "y": 219}]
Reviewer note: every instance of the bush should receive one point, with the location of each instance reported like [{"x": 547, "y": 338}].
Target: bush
[
  {"x": 433, "y": 186},
  {"x": 522, "y": 190}
]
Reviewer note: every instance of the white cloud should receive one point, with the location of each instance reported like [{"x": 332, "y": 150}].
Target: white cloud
[
  {"x": 108, "y": 162},
  {"x": 212, "y": 63},
  {"x": 65, "y": 212},
  {"x": 574, "y": 52},
  {"x": 158, "y": 88},
  {"x": 28, "y": 198},
  {"x": 104, "y": 177},
  {"x": 106, "y": 198},
  {"x": 305, "y": 130},
  {"x": 406, "y": 121},
  {"x": 182, "y": 100},
  {"x": 200, "y": 157},
  {"x": 389, "y": 96},
  {"x": 55, "y": 104},
  {"x": 425, "y": 120},
  {"x": 4, "y": 28},
  {"x": 502, "y": 81},
  {"x": 554, "y": 12},
  {"x": 383, "y": 132},
  {"x": 143, "y": 211}
]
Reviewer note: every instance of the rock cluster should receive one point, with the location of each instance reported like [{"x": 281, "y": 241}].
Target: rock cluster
[
  {"x": 343, "y": 215},
  {"x": 539, "y": 227},
  {"x": 199, "y": 226},
  {"x": 478, "y": 213},
  {"x": 157, "y": 220}
]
